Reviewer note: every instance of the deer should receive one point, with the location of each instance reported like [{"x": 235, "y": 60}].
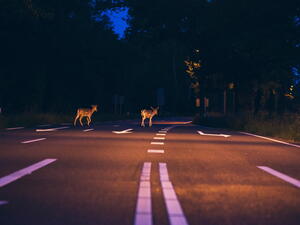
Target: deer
[
  {"x": 85, "y": 112},
  {"x": 148, "y": 114}
]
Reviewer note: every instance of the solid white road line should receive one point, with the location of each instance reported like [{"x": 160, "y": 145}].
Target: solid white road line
[
  {"x": 34, "y": 140},
  {"x": 282, "y": 176},
  {"x": 26, "y": 171},
  {"x": 155, "y": 151},
  {"x": 215, "y": 135},
  {"x": 14, "y": 128},
  {"x": 3, "y": 202},
  {"x": 87, "y": 130},
  {"x": 161, "y": 134},
  {"x": 175, "y": 213},
  {"x": 159, "y": 138},
  {"x": 156, "y": 143},
  {"x": 143, "y": 213},
  {"x": 271, "y": 139}
]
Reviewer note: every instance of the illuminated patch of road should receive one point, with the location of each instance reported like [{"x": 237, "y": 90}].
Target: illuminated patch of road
[
  {"x": 155, "y": 151},
  {"x": 143, "y": 213},
  {"x": 175, "y": 213},
  {"x": 281, "y": 176},
  {"x": 23, "y": 172},
  {"x": 14, "y": 128},
  {"x": 87, "y": 130},
  {"x": 34, "y": 140},
  {"x": 271, "y": 139}
]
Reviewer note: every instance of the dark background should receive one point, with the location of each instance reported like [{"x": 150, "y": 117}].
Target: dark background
[{"x": 60, "y": 55}]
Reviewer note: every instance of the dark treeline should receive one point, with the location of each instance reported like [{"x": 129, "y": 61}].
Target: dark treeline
[{"x": 59, "y": 55}]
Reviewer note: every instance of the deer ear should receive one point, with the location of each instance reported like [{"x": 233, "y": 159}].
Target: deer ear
[{"x": 152, "y": 108}]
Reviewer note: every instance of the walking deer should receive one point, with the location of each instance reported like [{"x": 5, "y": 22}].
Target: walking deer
[
  {"x": 148, "y": 114},
  {"x": 85, "y": 112}
]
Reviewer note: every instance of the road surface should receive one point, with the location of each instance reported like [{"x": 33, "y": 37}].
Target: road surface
[{"x": 118, "y": 173}]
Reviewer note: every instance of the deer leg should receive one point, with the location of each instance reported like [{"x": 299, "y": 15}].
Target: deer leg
[
  {"x": 80, "y": 120},
  {"x": 88, "y": 120},
  {"x": 143, "y": 123},
  {"x": 150, "y": 122},
  {"x": 77, "y": 116}
]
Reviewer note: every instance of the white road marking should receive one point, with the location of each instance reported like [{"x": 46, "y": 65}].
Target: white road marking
[
  {"x": 34, "y": 140},
  {"x": 159, "y": 138},
  {"x": 143, "y": 213},
  {"x": 87, "y": 130},
  {"x": 157, "y": 143},
  {"x": 161, "y": 134},
  {"x": 51, "y": 129},
  {"x": 45, "y": 125},
  {"x": 282, "y": 176},
  {"x": 23, "y": 172},
  {"x": 162, "y": 131},
  {"x": 271, "y": 139},
  {"x": 216, "y": 135},
  {"x": 127, "y": 131},
  {"x": 155, "y": 151},
  {"x": 14, "y": 128},
  {"x": 175, "y": 213},
  {"x": 3, "y": 202}
]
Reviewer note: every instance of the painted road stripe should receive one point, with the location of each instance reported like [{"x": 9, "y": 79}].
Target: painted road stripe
[
  {"x": 23, "y": 172},
  {"x": 3, "y": 202},
  {"x": 271, "y": 139},
  {"x": 51, "y": 129},
  {"x": 161, "y": 134},
  {"x": 157, "y": 143},
  {"x": 175, "y": 213},
  {"x": 87, "y": 130},
  {"x": 34, "y": 140},
  {"x": 155, "y": 151},
  {"x": 45, "y": 125},
  {"x": 143, "y": 213},
  {"x": 14, "y": 128},
  {"x": 282, "y": 176},
  {"x": 162, "y": 131},
  {"x": 159, "y": 138}
]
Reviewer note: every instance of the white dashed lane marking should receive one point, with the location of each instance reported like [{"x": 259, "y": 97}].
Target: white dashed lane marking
[
  {"x": 143, "y": 213},
  {"x": 14, "y": 128},
  {"x": 87, "y": 130},
  {"x": 280, "y": 175},
  {"x": 161, "y": 134},
  {"x": 175, "y": 213},
  {"x": 157, "y": 143},
  {"x": 26, "y": 171},
  {"x": 155, "y": 151},
  {"x": 159, "y": 138},
  {"x": 34, "y": 140},
  {"x": 51, "y": 129}
]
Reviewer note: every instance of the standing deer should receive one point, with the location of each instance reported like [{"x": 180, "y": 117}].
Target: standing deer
[
  {"x": 84, "y": 112},
  {"x": 148, "y": 114}
]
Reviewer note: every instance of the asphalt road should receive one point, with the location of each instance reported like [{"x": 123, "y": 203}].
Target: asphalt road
[{"x": 172, "y": 173}]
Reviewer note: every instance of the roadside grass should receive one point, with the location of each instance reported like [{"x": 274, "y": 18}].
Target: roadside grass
[
  {"x": 286, "y": 126},
  {"x": 30, "y": 119}
]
